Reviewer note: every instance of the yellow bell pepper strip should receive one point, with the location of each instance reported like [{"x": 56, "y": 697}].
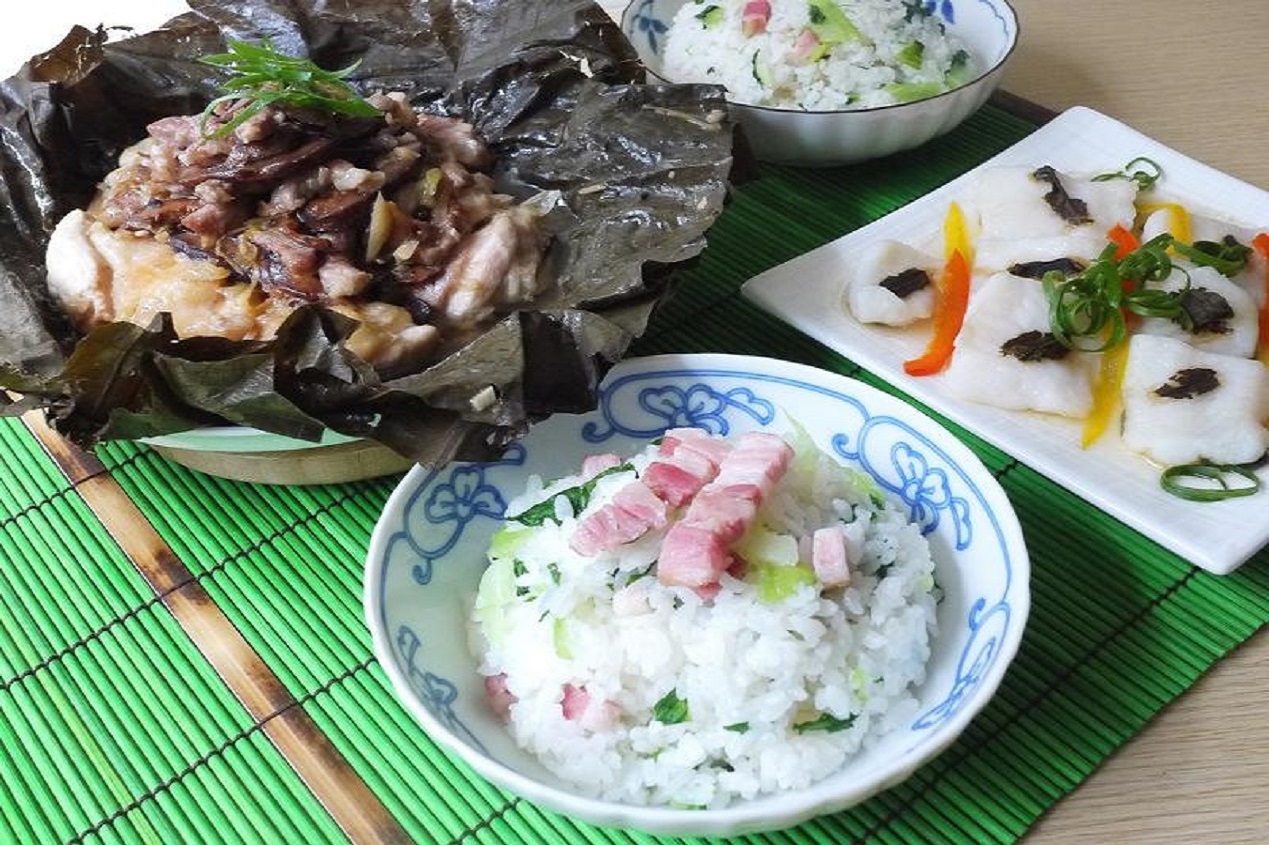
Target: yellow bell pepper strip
[
  {"x": 1261, "y": 244},
  {"x": 1110, "y": 372},
  {"x": 951, "y": 298},
  {"x": 956, "y": 235},
  {"x": 1178, "y": 219},
  {"x": 1110, "y": 377}
]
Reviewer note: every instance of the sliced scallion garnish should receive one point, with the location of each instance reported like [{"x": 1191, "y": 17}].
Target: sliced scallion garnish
[
  {"x": 261, "y": 76},
  {"x": 1145, "y": 176},
  {"x": 1210, "y": 482}
]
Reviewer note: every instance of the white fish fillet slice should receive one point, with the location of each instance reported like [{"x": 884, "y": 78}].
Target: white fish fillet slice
[
  {"x": 1002, "y": 307},
  {"x": 1243, "y": 327},
  {"x": 869, "y": 302},
  {"x": 1223, "y": 426}
]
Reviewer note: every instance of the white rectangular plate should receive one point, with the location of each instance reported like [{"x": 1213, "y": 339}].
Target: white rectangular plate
[{"x": 807, "y": 292}]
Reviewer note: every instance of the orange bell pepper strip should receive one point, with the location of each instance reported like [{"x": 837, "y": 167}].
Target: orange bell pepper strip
[
  {"x": 951, "y": 299},
  {"x": 1261, "y": 245},
  {"x": 951, "y": 296},
  {"x": 1125, "y": 241}
]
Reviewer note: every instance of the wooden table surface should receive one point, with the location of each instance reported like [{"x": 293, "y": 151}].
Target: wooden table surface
[{"x": 1191, "y": 77}]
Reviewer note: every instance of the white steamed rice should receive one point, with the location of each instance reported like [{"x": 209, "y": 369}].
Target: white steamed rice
[
  {"x": 749, "y": 667},
  {"x": 861, "y": 72}
]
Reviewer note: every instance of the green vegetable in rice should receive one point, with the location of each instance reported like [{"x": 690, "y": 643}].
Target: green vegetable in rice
[{"x": 671, "y": 710}]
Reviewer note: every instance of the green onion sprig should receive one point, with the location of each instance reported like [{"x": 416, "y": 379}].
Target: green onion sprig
[
  {"x": 1215, "y": 482},
  {"x": 1086, "y": 311},
  {"x": 264, "y": 77},
  {"x": 1145, "y": 176}
]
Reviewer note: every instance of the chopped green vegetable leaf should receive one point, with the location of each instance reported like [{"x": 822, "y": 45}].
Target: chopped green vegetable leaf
[
  {"x": 578, "y": 497},
  {"x": 710, "y": 16},
  {"x": 830, "y": 24},
  {"x": 518, "y": 569},
  {"x": 553, "y": 570},
  {"x": 671, "y": 710},
  {"x": 912, "y": 55},
  {"x": 907, "y": 92},
  {"x": 507, "y": 541},
  {"x": 825, "y": 722},
  {"x": 914, "y": 9},
  {"x": 776, "y": 582},
  {"x": 958, "y": 72},
  {"x": 738, "y": 727},
  {"x": 264, "y": 77},
  {"x": 559, "y": 638}
]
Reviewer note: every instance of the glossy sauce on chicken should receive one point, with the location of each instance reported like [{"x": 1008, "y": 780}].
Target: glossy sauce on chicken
[{"x": 391, "y": 220}]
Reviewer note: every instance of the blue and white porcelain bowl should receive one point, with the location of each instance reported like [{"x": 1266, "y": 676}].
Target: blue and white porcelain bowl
[
  {"x": 427, "y": 555},
  {"x": 988, "y": 28}
]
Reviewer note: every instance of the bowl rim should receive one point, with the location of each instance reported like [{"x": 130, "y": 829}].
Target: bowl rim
[
  {"x": 768, "y": 812},
  {"x": 995, "y": 68}
]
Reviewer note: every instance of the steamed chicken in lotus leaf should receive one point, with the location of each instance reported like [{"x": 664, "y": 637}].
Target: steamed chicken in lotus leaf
[
  {"x": 1087, "y": 293},
  {"x": 230, "y": 222}
]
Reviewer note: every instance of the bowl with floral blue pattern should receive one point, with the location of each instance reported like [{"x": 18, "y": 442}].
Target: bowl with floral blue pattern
[
  {"x": 427, "y": 554},
  {"x": 987, "y": 28}
]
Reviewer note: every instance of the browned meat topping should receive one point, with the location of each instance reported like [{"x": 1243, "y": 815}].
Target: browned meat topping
[{"x": 312, "y": 207}]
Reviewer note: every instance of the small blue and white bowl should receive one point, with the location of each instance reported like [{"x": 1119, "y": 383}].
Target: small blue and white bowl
[
  {"x": 987, "y": 28},
  {"x": 427, "y": 554}
]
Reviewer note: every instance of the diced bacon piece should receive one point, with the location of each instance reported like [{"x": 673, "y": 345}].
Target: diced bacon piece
[
  {"x": 639, "y": 501},
  {"x": 697, "y": 440},
  {"x": 828, "y": 557},
  {"x": 725, "y": 511},
  {"x": 633, "y": 511},
  {"x": 579, "y": 706},
  {"x": 672, "y": 483},
  {"x": 754, "y": 17},
  {"x": 593, "y": 465},
  {"x": 575, "y": 702},
  {"x": 500, "y": 698},
  {"x": 708, "y": 592},
  {"x": 691, "y": 556},
  {"x": 804, "y": 47}
]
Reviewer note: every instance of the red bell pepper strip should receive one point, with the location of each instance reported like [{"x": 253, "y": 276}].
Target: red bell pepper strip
[
  {"x": 1125, "y": 240},
  {"x": 1261, "y": 244},
  {"x": 951, "y": 299}
]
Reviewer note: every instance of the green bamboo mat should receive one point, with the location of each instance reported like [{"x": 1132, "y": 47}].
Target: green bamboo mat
[{"x": 114, "y": 727}]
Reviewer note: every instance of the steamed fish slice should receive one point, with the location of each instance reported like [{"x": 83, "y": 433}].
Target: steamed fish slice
[
  {"x": 1004, "y": 307},
  {"x": 1011, "y": 204},
  {"x": 1223, "y": 425},
  {"x": 1018, "y": 225},
  {"x": 1240, "y": 331},
  {"x": 872, "y": 302},
  {"x": 998, "y": 254},
  {"x": 1203, "y": 228}
]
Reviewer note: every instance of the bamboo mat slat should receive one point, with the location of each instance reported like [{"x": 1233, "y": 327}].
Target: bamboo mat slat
[{"x": 120, "y": 721}]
